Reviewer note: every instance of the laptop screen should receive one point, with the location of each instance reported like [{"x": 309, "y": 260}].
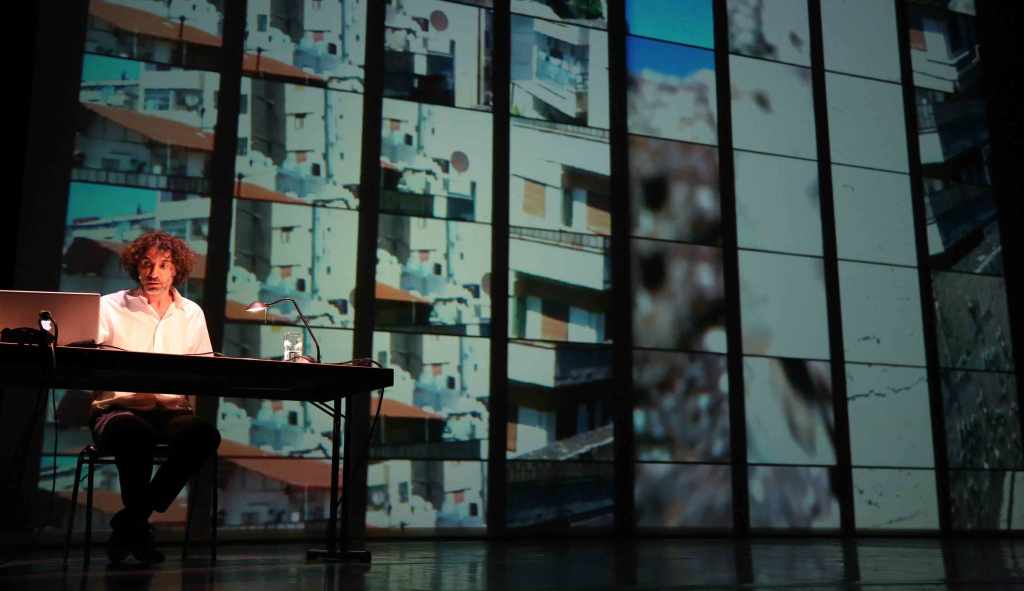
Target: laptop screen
[{"x": 77, "y": 314}]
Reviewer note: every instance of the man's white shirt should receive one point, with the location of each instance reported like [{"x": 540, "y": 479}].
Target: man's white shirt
[{"x": 129, "y": 322}]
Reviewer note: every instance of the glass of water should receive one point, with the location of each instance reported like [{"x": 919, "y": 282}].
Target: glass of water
[{"x": 292, "y": 345}]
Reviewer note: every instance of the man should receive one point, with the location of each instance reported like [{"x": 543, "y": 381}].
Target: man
[{"x": 153, "y": 317}]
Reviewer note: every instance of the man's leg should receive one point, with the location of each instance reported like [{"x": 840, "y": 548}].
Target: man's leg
[
  {"x": 192, "y": 441},
  {"x": 130, "y": 439}
]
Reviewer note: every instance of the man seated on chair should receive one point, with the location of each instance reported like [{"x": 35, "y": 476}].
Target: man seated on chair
[{"x": 153, "y": 317}]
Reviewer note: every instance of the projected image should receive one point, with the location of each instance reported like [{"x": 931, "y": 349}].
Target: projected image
[
  {"x": 772, "y": 108},
  {"x": 679, "y": 21},
  {"x": 589, "y": 13},
  {"x": 861, "y": 38},
  {"x": 679, "y": 296},
  {"x": 789, "y": 411},
  {"x": 681, "y": 412},
  {"x": 963, "y": 228},
  {"x": 269, "y": 434},
  {"x": 257, "y": 340},
  {"x": 671, "y": 91},
  {"x": 777, "y": 204},
  {"x": 438, "y": 52},
  {"x": 952, "y": 128},
  {"x": 320, "y": 42},
  {"x": 559, "y": 402},
  {"x": 972, "y": 321},
  {"x": 797, "y": 497},
  {"x": 853, "y": 101},
  {"x": 784, "y": 312},
  {"x": 431, "y": 166},
  {"x": 412, "y": 494},
  {"x": 770, "y": 30},
  {"x": 433, "y": 275},
  {"x": 986, "y": 500},
  {"x": 673, "y": 191},
  {"x": 298, "y": 142},
  {"x": 881, "y": 307},
  {"x": 559, "y": 286},
  {"x": 271, "y": 492},
  {"x": 982, "y": 420},
  {"x": 953, "y": 139},
  {"x": 143, "y": 125},
  {"x": 560, "y": 495},
  {"x": 559, "y": 72},
  {"x": 669, "y": 496},
  {"x": 176, "y": 33},
  {"x": 283, "y": 248},
  {"x": 890, "y": 416},
  {"x": 895, "y": 499},
  {"x": 438, "y": 406},
  {"x": 559, "y": 177},
  {"x": 874, "y": 215},
  {"x": 102, "y": 220}
]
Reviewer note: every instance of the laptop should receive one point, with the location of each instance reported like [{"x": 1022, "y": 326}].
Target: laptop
[{"x": 77, "y": 315}]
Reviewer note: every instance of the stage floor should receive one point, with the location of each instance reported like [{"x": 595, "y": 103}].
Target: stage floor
[{"x": 561, "y": 564}]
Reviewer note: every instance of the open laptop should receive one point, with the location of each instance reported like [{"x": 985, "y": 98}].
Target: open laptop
[{"x": 77, "y": 314}]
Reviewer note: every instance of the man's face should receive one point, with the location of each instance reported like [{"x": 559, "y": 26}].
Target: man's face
[{"x": 156, "y": 272}]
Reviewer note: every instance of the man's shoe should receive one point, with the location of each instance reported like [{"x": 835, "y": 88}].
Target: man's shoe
[
  {"x": 143, "y": 547},
  {"x": 118, "y": 546}
]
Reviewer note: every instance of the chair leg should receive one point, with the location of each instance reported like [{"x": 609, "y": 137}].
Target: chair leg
[
  {"x": 88, "y": 514},
  {"x": 74, "y": 505}
]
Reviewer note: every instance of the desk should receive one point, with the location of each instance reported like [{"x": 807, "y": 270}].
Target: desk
[{"x": 323, "y": 385}]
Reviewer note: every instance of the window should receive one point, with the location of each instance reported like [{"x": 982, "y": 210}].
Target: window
[
  {"x": 157, "y": 100},
  {"x": 243, "y": 146},
  {"x": 567, "y": 198},
  {"x": 261, "y": 23},
  {"x": 451, "y": 382},
  {"x": 533, "y": 198}
]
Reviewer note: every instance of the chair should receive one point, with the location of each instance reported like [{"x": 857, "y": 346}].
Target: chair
[{"x": 92, "y": 457}]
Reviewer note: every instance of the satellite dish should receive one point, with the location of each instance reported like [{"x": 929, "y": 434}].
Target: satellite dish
[
  {"x": 439, "y": 20},
  {"x": 192, "y": 100},
  {"x": 460, "y": 161}
]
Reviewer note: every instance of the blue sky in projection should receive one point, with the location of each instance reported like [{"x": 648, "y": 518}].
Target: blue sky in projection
[
  {"x": 108, "y": 201},
  {"x": 665, "y": 58},
  {"x": 681, "y": 21},
  {"x": 97, "y": 68}
]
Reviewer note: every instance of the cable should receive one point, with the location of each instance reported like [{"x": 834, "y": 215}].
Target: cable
[
  {"x": 204, "y": 354},
  {"x": 49, "y": 325}
]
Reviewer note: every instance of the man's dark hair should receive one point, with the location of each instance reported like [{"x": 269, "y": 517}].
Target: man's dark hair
[{"x": 181, "y": 255}]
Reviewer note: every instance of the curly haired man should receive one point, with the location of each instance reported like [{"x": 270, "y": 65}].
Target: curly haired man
[{"x": 153, "y": 317}]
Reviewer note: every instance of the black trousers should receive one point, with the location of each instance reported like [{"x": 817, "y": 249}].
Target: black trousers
[{"x": 130, "y": 436}]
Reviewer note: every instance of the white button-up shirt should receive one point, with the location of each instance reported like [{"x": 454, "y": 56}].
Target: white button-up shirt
[{"x": 127, "y": 321}]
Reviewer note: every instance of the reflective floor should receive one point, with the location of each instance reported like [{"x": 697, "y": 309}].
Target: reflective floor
[{"x": 795, "y": 563}]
